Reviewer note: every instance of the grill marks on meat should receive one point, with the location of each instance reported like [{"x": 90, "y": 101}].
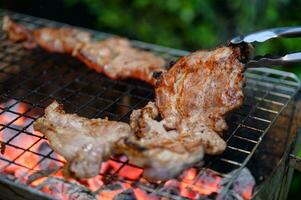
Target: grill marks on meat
[
  {"x": 115, "y": 57},
  {"x": 84, "y": 143}
]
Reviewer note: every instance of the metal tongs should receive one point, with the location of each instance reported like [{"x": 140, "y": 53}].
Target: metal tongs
[{"x": 264, "y": 35}]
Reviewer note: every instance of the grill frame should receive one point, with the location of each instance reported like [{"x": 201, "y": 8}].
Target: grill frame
[{"x": 269, "y": 78}]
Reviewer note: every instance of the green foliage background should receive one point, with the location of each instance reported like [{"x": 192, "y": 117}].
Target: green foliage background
[{"x": 197, "y": 24}]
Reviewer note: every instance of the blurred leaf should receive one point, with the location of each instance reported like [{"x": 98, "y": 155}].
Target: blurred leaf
[{"x": 71, "y": 2}]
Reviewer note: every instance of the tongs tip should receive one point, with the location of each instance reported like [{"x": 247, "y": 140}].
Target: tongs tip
[
  {"x": 260, "y": 36},
  {"x": 237, "y": 40}
]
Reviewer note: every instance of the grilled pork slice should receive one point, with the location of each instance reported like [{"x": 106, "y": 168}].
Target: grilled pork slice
[
  {"x": 160, "y": 162},
  {"x": 200, "y": 89},
  {"x": 187, "y": 134},
  {"x": 115, "y": 57},
  {"x": 84, "y": 143},
  {"x": 163, "y": 154}
]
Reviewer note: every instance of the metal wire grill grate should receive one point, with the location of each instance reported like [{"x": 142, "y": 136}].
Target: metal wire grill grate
[{"x": 31, "y": 80}]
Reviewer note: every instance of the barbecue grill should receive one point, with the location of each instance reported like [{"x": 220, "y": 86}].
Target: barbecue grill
[{"x": 258, "y": 162}]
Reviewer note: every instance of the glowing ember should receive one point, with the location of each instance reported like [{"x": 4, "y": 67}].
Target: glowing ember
[
  {"x": 123, "y": 170},
  {"x": 10, "y": 116},
  {"x": 193, "y": 185},
  {"x": 93, "y": 183},
  {"x": 117, "y": 178}
]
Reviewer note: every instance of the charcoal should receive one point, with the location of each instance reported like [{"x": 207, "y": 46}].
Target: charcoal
[
  {"x": 41, "y": 173},
  {"x": 110, "y": 187},
  {"x": 126, "y": 195},
  {"x": 61, "y": 189},
  {"x": 113, "y": 186},
  {"x": 244, "y": 182}
]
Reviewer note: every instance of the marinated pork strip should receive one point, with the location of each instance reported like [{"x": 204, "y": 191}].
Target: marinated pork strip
[
  {"x": 84, "y": 143},
  {"x": 115, "y": 57}
]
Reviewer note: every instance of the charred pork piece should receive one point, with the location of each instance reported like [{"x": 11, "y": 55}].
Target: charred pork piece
[{"x": 201, "y": 88}]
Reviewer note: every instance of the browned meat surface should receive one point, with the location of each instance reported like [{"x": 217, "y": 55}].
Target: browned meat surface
[
  {"x": 115, "y": 57},
  {"x": 197, "y": 92},
  {"x": 201, "y": 88},
  {"x": 60, "y": 40},
  {"x": 84, "y": 143}
]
